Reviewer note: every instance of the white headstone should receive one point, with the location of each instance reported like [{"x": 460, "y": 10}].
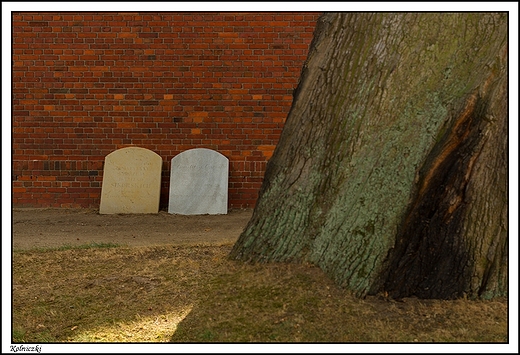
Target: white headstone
[
  {"x": 131, "y": 181},
  {"x": 199, "y": 182}
]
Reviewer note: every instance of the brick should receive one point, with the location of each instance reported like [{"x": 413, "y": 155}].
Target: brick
[
  {"x": 125, "y": 125},
  {"x": 198, "y": 116},
  {"x": 46, "y": 178},
  {"x": 168, "y": 82}
]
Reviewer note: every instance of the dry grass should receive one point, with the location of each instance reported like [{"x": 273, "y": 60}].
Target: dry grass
[{"x": 193, "y": 294}]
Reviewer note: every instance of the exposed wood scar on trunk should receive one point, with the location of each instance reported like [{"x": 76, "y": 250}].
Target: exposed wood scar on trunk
[
  {"x": 458, "y": 133},
  {"x": 426, "y": 253}
]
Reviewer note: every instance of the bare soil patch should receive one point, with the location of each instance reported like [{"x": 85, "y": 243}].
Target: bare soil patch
[{"x": 53, "y": 227}]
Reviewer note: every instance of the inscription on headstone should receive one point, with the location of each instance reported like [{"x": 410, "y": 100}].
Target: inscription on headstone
[
  {"x": 199, "y": 182},
  {"x": 131, "y": 181}
]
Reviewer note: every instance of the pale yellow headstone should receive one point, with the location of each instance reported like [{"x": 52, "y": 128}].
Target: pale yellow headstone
[{"x": 131, "y": 181}]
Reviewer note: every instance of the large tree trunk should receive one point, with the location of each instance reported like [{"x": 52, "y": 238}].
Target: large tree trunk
[{"x": 391, "y": 171}]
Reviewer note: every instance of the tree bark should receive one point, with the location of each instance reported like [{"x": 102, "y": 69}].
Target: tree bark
[{"x": 391, "y": 171}]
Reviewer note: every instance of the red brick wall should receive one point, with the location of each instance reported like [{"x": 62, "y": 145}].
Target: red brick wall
[{"x": 86, "y": 84}]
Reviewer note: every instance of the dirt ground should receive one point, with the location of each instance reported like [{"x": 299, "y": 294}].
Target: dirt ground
[{"x": 50, "y": 227}]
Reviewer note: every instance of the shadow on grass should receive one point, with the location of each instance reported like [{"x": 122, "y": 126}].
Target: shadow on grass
[
  {"x": 260, "y": 303},
  {"x": 299, "y": 304}
]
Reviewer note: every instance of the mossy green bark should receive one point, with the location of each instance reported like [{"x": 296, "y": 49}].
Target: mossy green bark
[{"x": 375, "y": 109}]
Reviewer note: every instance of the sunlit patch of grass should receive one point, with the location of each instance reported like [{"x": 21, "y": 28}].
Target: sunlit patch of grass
[{"x": 155, "y": 329}]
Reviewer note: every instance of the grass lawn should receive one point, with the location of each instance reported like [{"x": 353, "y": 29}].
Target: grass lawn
[{"x": 194, "y": 294}]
